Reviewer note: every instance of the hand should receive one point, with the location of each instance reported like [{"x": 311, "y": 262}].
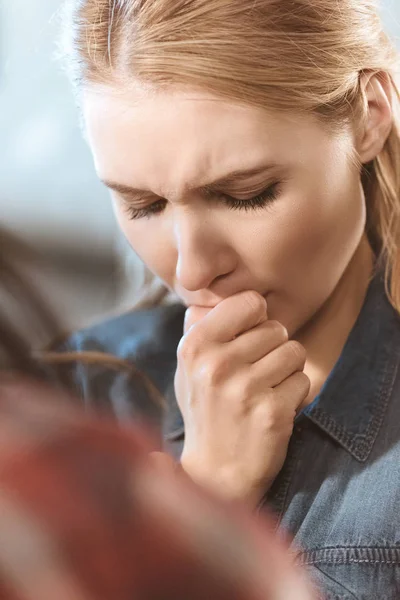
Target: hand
[{"x": 239, "y": 384}]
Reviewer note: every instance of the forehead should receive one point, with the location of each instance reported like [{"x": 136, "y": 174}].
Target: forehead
[{"x": 184, "y": 138}]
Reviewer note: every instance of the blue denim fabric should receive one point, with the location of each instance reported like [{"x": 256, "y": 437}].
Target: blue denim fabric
[{"x": 338, "y": 494}]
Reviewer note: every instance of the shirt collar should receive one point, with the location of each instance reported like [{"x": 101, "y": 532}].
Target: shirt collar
[{"x": 352, "y": 403}]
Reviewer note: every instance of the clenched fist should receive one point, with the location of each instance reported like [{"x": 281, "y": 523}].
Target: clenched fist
[{"x": 239, "y": 384}]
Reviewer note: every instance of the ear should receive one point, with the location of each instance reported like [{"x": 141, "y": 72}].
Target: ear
[{"x": 377, "y": 91}]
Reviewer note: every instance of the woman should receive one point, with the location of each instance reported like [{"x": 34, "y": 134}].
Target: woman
[{"x": 252, "y": 151}]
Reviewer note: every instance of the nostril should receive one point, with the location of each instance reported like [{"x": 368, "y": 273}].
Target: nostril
[{"x": 222, "y": 277}]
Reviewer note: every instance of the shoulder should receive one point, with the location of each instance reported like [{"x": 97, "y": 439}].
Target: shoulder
[
  {"x": 154, "y": 330},
  {"x": 148, "y": 339}
]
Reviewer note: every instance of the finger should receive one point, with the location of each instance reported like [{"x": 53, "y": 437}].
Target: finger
[
  {"x": 255, "y": 344},
  {"x": 193, "y": 315},
  {"x": 294, "y": 389},
  {"x": 279, "y": 364},
  {"x": 232, "y": 316}
]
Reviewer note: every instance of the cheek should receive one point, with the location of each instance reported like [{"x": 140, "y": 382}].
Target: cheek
[
  {"x": 320, "y": 228},
  {"x": 312, "y": 239},
  {"x": 148, "y": 240}
]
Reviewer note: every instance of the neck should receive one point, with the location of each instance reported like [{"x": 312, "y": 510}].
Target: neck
[{"x": 325, "y": 335}]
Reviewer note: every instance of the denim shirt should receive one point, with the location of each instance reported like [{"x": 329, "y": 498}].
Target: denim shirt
[{"x": 338, "y": 494}]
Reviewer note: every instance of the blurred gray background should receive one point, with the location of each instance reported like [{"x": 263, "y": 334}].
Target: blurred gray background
[
  {"x": 48, "y": 189},
  {"x": 49, "y": 192}
]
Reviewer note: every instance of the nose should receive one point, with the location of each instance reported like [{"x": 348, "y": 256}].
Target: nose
[{"x": 204, "y": 253}]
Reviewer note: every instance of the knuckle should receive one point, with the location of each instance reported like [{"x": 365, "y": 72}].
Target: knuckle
[
  {"x": 272, "y": 418},
  {"x": 183, "y": 350},
  {"x": 278, "y": 329},
  {"x": 244, "y": 392},
  {"x": 215, "y": 372},
  {"x": 303, "y": 383},
  {"x": 188, "y": 348},
  {"x": 277, "y": 421},
  {"x": 296, "y": 352},
  {"x": 254, "y": 301}
]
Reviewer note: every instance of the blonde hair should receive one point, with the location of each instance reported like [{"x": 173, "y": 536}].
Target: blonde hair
[{"x": 303, "y": 55}]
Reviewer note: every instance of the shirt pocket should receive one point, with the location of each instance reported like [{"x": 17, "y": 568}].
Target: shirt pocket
[{"x": 355, "y": 573}]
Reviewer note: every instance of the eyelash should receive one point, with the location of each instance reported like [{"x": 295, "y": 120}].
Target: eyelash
[{"x": 266, "y": 197}]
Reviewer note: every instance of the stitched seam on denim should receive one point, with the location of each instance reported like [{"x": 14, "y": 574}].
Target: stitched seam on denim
[
  {"x": 373, "y": 555},
  {"x": 362, "y": 448},
  {"x": 385, "y": 395}
]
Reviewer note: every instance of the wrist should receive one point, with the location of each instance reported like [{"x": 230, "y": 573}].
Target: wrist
[{"x": 229, "y": 488}]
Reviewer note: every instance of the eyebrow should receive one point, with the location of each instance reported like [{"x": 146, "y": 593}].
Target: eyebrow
[{"x": 231, "y": 178}]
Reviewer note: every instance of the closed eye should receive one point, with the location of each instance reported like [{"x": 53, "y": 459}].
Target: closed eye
[
  {"x": 264, "y": 198},
  {"x": 261, "y": 200}
]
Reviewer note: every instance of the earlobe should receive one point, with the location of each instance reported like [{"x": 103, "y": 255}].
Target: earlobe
[{"x": 377, "y": 90}]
